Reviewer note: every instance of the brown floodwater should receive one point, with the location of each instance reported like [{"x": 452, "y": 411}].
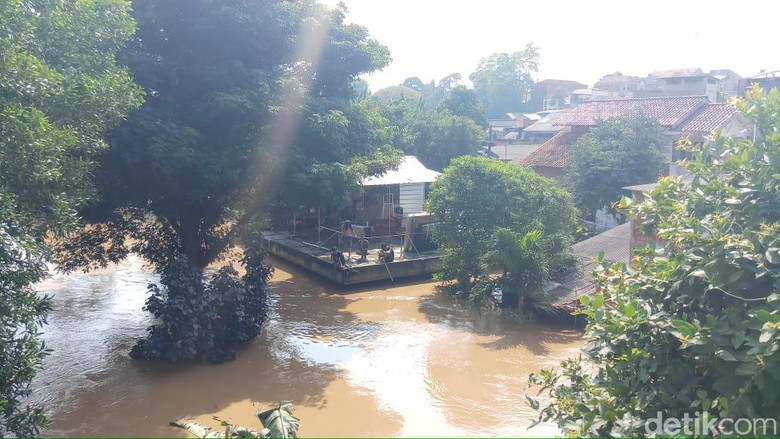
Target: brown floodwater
[{"x": 383, "y": 360}]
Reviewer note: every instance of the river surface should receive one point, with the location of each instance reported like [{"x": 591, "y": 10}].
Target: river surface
[{"x": 389, "y": 360}]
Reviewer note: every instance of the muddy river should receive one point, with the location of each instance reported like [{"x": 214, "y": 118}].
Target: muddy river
[{"x": 390, "y": 360}]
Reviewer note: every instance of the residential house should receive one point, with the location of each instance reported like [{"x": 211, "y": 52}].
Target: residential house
[
  {"x": 618, "y": 85},
  {"x": 679, "y": 82},
  {"x": 553, "y": 94},
  {"x": 692, "y": 116},
  {"x": 765, "y": 80},
  {"x": 543, "y": 129},
  {"x": 728, "y": 82}
]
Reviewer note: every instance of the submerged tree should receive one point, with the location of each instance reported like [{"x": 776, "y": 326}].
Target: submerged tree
[
  {"x": 616, "y": 153},
  {"x": 692, "y": 329},
  {"x": 477, "y": 199},
  {"x": 230, "y": 85},
  {"x": 59, "y": 90}
]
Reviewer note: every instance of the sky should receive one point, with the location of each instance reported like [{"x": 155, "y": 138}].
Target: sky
[{"x": 579, "y": 40}]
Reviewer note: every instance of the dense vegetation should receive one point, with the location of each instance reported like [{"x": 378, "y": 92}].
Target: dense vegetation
[
  {"x": 434, "y": 122},
  {"x": 59, "y": 91},
  {"x": 692, "y": 328},
  {"x": 247, "y": 101},
  {"x": 499, "y": 216},
  {"x": 503, "y": 82},
  {"x": 616, "y": 153}
]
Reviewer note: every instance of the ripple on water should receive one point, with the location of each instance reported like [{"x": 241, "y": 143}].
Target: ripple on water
[{"x": 409, "y": 361}]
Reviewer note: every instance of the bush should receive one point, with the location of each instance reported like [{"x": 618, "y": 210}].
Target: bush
[
  {"x": 206, "y": 321},
  {"x": 692, "y": 328}
]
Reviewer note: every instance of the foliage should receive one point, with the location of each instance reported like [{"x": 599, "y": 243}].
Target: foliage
[
  {"x": 440, "y": 136},
  {"x": 451, "y": 128},
  {"x": 523, "y": 262},
  {"x": 59, "y": 90},
  {"x": 475, "y": 197},
  {"x": 692, "y": 327},
  {"x": 198, "y": 321},
  {"x": 503, "y": 81},
  {"x": 616, "y": 153},
  {"x": 280, "y": 422},
  {"x": 249, "y": 101},
  {"x": 461, "y": 101}
]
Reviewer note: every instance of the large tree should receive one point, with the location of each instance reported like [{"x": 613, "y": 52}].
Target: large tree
[
  {"x": 59, "y": 90},
  {"x": 691, "y": 331},
  {"x": 616, "y": 153},
  {"x": 483, "y": 203},
  {"x": 452, "y": 128},
  {"x": 503, "y": 81},
  {"x": 237, "y": 91}
]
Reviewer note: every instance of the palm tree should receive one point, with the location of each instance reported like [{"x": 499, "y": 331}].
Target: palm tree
[{"x": 523, "y": 263}]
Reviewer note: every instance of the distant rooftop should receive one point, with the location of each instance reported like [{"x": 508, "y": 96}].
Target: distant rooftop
[
  {"x": 709, "y": 117},
  {"x": 668, "y": 111},
  {"x": 678, "y": 73},
  {"x": 549, "y": 123},
  {"x": 553, "y": 153},
  {"x": 682, "y": 114}
]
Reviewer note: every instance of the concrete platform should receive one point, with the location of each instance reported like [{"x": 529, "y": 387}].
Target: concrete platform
[{"x": 315, "y": 257}]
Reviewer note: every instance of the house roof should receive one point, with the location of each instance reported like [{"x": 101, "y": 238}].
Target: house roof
[
  {"x": 709, "y": 117},
  {"x": 409, "y": 171},
  {"x": 678, "y": 73},
  {"x": 553, "y": 153},
  {"x": 692, "y": 114},
  {"x": 616, "y": 245},
  {"x": 548, "y": 124},
  {"x": 668, "y": 111}
]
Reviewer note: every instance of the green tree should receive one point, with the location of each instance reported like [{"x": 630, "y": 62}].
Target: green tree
[
  {"x": 439, "y": 136},
  {"x": 475, "y": 197},
  {"x": 461, "y": 101},
  {"x": 503, "y": 81},
  {"x": 692, "y": 328},
  {"x": 616, "y": 153},
  {"x": 237, "y": 90},
  {"x": 59, "y": 90}
]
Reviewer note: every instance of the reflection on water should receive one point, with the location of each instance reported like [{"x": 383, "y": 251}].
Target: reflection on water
[{"x": 392, "y": 360}]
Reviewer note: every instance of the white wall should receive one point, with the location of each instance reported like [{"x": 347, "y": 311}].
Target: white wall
[{"x": 412, "y": 197}]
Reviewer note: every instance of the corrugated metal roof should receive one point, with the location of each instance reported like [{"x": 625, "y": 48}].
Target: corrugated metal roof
[{"x": 409, "y": 171}]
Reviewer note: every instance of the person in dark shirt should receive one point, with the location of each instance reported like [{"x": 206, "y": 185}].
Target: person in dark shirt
[
  {"x": 339, "y": 261},
  {"x": 386, "y": 254}
]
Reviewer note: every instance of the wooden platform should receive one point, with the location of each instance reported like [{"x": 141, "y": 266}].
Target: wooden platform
[{"x": 315, "y": 257}]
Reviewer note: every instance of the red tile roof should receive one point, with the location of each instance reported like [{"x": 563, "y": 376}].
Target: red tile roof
[
  {"x": 708, "y": 118},
  {"x": 668, "y": 111},
  {"x": 553, "y": 153}
]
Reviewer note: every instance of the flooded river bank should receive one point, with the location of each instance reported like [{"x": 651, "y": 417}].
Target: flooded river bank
[{"x": 389, "y": 360}]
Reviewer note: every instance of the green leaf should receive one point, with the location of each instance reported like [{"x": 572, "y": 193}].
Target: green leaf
[
  {"x": 598, "y": 301},
  {"x": 533, "y": 403},
  {"x": 725, "y": 355}
]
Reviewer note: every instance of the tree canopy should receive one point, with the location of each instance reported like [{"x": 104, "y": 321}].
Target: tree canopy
[
  {"x": 250, "y": 107},
  {"x": 692, "y": 329},
  {"x": 616, "y": 153},
  {"x": 60, "y": 89},
  {"x": 503, "y": 82},
  {"x": 476, "y": 198}
]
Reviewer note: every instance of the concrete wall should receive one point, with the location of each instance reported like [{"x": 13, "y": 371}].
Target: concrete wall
[{"x": 357, "y": 274}]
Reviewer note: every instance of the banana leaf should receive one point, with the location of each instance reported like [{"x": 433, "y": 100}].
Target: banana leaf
[{"x": 280, "y": 422}]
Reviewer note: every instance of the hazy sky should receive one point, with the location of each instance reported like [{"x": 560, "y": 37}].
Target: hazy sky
[{"x": 578, "y": 40}]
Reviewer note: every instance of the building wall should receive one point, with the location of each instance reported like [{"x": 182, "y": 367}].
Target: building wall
[{"x": 412, "y": 197}]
